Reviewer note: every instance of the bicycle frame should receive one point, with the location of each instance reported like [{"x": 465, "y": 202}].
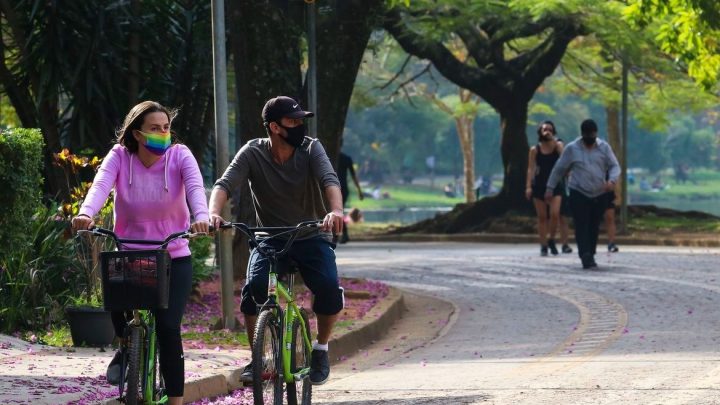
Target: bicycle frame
[
  {"x": 146, "y": 320},
  {"x": 276, "y": 290},
  {"x": 290, "y": 314}
]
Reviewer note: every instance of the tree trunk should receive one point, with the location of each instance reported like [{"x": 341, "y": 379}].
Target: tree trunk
[
  {"x": 613, "y": 129},
  {"x": 342, "y": 36},
  {"x": 514, "y": 150},
  {"x": 267, "y": 64},
  {"x": 464, "y": 126}
]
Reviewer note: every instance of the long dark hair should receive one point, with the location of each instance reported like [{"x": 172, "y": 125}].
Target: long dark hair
[
  {"x": 134, "y": 120},
  {"x": 539, "y": 129}
]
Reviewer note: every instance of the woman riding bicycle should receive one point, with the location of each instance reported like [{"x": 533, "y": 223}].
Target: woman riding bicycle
[{"x": 154, "y": 180}]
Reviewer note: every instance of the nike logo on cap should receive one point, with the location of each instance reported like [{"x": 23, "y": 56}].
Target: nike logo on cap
[{"x": 295, "y": 106}]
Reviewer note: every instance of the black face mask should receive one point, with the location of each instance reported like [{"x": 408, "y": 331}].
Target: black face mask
[
  {"x": 295, "y": 135},
  {"x": 589, "y": 140},
  {"x": 545, "y": 137}
]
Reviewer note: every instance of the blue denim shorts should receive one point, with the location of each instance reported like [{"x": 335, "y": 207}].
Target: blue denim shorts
[{"x": 316, "y": 260}]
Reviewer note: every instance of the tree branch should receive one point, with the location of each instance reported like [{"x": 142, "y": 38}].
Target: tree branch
[
  {"x": 478, "y": 80},
  {"x": 399, "y": 72}
]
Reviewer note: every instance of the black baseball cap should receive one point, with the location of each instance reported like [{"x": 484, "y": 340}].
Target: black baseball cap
[{"x": 283, "y": 107}]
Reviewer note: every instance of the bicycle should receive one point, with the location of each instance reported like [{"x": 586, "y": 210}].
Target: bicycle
[
  {"x": 282, "y": 344},
  {"x": 138, "y": 281}
]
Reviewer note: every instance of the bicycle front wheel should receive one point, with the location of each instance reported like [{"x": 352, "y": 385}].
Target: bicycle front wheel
[
  {"x": 267, "y": 361},
  {"x": 300, "y": 392},
  {"x": 134, "y": 382}
]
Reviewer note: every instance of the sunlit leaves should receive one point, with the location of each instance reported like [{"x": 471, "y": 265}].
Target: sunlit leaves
[{"x": 686, "y": 29}]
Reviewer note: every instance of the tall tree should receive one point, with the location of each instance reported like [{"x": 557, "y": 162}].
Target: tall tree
[{"x": 511, "y": 51}]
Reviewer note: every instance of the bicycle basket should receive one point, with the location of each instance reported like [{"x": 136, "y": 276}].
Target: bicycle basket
[{"x": 135, "y": 279}]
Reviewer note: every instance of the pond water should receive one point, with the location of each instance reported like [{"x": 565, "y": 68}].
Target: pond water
[
  {"x": 403, "y": 215},
  {"x": 411, "y": 215}
]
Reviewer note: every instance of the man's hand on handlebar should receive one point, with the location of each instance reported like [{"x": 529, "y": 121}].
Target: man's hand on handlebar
[
  {"x": 216, "y": 221},
  {"x": 333, "y": 222},
  {"x": 82, "y": 222}
]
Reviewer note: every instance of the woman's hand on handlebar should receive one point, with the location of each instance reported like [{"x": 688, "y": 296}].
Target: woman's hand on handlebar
[
  {"x": 333, "y": 221},
  {"x": 200, "y": 227},
  {"x": 82, "y": 222}
]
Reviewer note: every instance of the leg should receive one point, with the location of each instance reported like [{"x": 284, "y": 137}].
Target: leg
[
  {"x": 581, "y": 217},
  {"x": 172, "y": 362},
  {"x": 316, "y": 258},
  {"x": 541, "y": 211},
  {"x": 596, "y": 211},
  {"x": 564, "y": 229},
  {"x": 554, "y": 215}
]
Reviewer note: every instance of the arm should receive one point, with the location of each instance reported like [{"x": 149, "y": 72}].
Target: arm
[
  {"x": 613, "y": 170},
  {"x": 237, "y": 172},
  {"x": 103, "y": 182},
  {"x": 194, "y": 190},
  {"x": 324, "y": 173},
  {"x": 334, "y": 219},
  {"x": 530, "y": 173},
  {"x": 218, "y": 198}
]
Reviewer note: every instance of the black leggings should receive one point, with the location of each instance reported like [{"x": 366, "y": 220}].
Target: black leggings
[{"x": 172, "y": 363}]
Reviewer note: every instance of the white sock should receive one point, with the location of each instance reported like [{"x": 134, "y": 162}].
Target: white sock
[{"x": 318, "y": 346}]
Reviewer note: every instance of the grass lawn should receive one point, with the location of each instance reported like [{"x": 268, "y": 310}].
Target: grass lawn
[
  {"x": 401, "y": 195},
  {"x": 705, "y": 184}
]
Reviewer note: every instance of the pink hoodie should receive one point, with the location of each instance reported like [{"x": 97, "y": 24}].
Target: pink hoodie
[{"x": 150, "y": 203}]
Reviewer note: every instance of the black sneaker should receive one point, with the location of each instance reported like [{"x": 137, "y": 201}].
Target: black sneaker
[
  {"x": 247, "y": 374},
  {"x": 543, "y": 250},
  {"x": 552, "y": 247},
  {"x": 588, "y": 262},
  {"x": 115, "y": 367},
  {"x": 612, "y": 248},
  {"x": 566, "y": 248},
  {"x": 319, "y": 367}
]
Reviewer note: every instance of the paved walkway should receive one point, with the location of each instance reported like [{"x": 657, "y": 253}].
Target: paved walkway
[{"x": 35, "y": 374}]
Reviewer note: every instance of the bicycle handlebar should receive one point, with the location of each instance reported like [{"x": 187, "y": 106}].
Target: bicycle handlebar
[
  {"x": 275, "y": 231},
  {"x": 97, "y": 231}
]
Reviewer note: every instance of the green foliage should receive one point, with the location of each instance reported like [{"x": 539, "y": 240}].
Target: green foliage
[
  {"x": 200, "y": 251},
  {"x": 20, "y": 175},
  {"x": 686, "y": 29},
  {"x": 36, "y": 277}
]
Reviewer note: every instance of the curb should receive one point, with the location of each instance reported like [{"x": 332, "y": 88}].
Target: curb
[
  {"x": 380, "y": 318},
  {"x": 669, "y": 240}
]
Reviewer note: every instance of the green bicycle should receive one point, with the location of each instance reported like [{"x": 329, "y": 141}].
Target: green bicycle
[
  {"x": 282, "y": 343},
  {"x": 138, "y": 281}
]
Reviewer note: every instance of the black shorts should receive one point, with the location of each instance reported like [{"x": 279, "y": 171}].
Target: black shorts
[
  {"x": 539, "y": 192},
  {"x": 610, "y": 196}
]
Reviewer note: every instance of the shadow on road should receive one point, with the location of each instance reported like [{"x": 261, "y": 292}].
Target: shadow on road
[{"x": 467, "y": 399}]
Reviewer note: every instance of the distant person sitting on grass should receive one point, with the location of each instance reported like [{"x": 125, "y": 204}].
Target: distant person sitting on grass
[
  {"x": 449, "y": 191},
  {"x": 644, "y": 185}
]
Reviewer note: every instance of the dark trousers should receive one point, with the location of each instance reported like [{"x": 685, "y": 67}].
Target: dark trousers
[
  {"x": 167, "y": 322},
  {"x": 587, "y": 213}
]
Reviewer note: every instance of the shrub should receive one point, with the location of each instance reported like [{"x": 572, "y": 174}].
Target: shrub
[
  {"x": 20, "y": 176},
  {"x": 200, "y": 249},
  {"x": 35, "y": 279}
]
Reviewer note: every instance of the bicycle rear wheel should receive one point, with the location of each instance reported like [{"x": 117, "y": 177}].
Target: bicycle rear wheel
[
  {"x": 266, "y": 360},
  {"x": 135, "y": 350},
  {"x": 300, "y": 392}
]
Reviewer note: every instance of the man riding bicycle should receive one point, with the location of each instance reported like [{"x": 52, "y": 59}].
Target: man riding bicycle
[{"x": 291, "y": 180}]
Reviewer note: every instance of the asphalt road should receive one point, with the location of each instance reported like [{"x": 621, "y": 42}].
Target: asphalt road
[{"x": 514, "y": 328}]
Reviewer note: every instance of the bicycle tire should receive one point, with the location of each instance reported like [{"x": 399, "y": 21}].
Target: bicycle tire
[
  {"x": 133, "y": 394},
  {"x": 300, "y": 352},
  {"x": 267, "y": 361}
]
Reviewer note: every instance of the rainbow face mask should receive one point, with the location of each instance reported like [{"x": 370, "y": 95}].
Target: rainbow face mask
[{"x": 157, "y": 142}]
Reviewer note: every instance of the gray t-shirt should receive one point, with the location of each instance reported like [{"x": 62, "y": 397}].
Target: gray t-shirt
[
  {"x": 589, "y": 167},
  {"x": 283, "y": 194}
]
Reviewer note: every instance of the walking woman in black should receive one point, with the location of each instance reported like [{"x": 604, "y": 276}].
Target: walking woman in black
[{"x": 541, "y": 160}]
